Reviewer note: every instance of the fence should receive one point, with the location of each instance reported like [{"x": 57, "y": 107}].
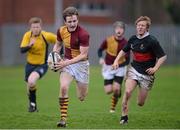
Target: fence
[{"x": 11, "y": 36}]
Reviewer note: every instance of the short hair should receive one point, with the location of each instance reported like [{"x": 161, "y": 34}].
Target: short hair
[
  {"x": 144, "y": 18},
  {"x": 35, "y": 20},
  {"x": 119, "y": 24},
  {"x": 69, "y": 11}
]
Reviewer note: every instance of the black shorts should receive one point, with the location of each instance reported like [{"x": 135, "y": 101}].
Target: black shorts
[
  {"x": 40, "y": 69},
  {"x": 116, "y": 79}
]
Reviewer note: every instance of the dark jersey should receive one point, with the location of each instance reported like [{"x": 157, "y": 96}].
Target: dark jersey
[{"x": 145, "y": 52}]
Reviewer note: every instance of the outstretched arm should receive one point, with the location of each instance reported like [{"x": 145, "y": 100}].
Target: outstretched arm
[{"x": 116, "y": 64}]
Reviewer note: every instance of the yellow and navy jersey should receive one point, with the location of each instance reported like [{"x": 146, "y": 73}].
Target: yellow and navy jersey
[
  {"x": 112, "y": 46},
  {"x": 73, "y": 40},
  {"x": 37, "y": 54}
]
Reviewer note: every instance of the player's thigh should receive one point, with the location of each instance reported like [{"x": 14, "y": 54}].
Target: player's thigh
[
  {"x": 108, "y": 88},
  {"x": 65, "y": 79},
  {"x": 116, "y": 87},
  {"x": 130, "y": 85},
  {"x": 33, "y": 77},
  {"x": 117, "y": 82}
]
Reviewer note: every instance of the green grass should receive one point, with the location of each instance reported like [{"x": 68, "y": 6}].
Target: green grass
[{"x": 162, "y": 109}]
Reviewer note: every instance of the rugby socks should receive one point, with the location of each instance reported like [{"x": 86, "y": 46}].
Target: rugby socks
[
  {"x": 63, "y": 103},
  {"x": 32, "y": 95},
  {"x": 114, "y": 100}
]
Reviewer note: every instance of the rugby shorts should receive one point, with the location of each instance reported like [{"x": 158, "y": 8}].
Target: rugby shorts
[
  {"x": 109, "y": 73},
  {"x": 40, "y": 69},
  {"x": 79, "y": 70},
  {"x": 144, "y": 81}
]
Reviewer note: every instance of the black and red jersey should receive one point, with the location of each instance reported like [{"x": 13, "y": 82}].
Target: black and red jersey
[{"x": 145, "y": 52}]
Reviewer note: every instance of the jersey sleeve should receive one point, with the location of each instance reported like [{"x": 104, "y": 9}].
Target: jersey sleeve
[
  {"x": 51, "y": 37},
  {"x": 25, "y": 40},
  {"x": 127, "y": 46},
  {"x": 59, "y": 36},
  {"x": 84, "y": 39},
  {"x": 103, "y": 45},
  {"x": 157, "y": 49}
]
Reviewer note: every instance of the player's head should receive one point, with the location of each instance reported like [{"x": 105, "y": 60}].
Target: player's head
[
  {"x": 119, "y": 29},
  {"x": 70, "y": 15},
  {"x": 142, "y": 24},
  {"x": 35, "y": 25}
]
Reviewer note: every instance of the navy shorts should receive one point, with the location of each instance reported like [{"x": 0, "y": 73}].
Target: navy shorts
[{"x": 40, "y": 69}]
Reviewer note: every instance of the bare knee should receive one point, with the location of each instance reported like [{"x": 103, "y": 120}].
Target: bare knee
[
  {"x": 31, "y": 84},
  {"x": 128, "y": 94},
  {"x": 108, "y": 89},
  {"x": 64, "y": 91},
  {"x": 34, "y": 76}
]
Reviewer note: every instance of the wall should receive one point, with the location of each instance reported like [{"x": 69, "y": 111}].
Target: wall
[
  {"x": 169, "y": 37},
  {"x": 20, "y": 11}
]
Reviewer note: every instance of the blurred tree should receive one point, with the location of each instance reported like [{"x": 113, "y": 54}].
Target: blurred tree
[
  {"x": 173, "y": 7},
  {"x": 129, "y": 10}
]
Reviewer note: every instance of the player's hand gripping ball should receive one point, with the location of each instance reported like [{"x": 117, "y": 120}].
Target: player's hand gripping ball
[{"x": 53, "y": 58}]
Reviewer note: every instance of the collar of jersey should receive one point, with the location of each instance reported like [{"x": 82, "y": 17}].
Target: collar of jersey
[{"x": 145, "y": 35}]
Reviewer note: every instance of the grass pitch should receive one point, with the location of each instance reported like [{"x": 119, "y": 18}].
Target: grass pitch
[{"x": 161, "y": 110}]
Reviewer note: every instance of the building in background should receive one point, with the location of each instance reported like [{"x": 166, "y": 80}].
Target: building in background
[
  {"x": 92, "y": 11},
  {"x": 96, "y": 15}
]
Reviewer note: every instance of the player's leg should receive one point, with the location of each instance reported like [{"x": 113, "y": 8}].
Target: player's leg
[
  {"x": 145, "y": 83},
  {"x": 118, "y": 79},
  {"x": 33, "y": 73},
  {"x": 65, "y": 80},
  {"x": 31, "y": 86},
  {"x": 31, "y": 77},
  {"x": 81, "y": 74},
  {"x": 116, "y": 92},
  {"x": 130, "y": 85},
  {"x": 108, "y": 76},
  {"x": 142, "y": 95},
  {"x": 82, "y": 90},
  {"x": 108, "y": 86}
]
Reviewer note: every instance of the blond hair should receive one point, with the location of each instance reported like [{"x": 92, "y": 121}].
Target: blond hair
[{"x": 144, "y": 18}]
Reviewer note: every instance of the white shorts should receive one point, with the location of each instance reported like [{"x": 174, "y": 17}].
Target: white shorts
[
  {"x": 79, "y": 70},
  {"x": 108, "y": 73},
  {"x": 145, "y": 81}
]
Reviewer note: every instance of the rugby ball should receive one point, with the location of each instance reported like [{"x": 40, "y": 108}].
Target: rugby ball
[{"x": 53, "y": 58}]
